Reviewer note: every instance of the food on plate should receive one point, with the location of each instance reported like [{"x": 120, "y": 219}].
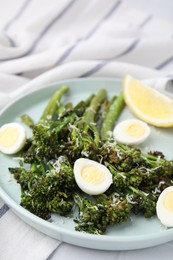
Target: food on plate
[
  {"x": 131, "y": 131},
  {"x": 164, "y": 207},
  {"x": 147, "y": 103},
  {"x": 70, "y": 140},
  {"x": 115, "y": 107},
  {"x": 92, "y": 177},
  {"x": 12, "y": 138}
]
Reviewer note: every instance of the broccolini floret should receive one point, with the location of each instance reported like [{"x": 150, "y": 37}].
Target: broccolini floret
[{"x": 96, "y": 215}]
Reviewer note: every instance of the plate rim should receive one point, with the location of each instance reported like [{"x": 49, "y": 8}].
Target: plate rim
[{"x": 52, "y": 84}]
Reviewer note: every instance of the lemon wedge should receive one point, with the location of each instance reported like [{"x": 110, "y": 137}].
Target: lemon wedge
[{"x": 147, "y": 103}]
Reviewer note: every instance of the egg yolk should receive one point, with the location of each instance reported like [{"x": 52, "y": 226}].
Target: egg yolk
[
  {"x": 92, "y": 175},
  {"x": 9, "y": 136},
  {"x": 168, "y": 201},
  {"x": 134, "y": 130}
]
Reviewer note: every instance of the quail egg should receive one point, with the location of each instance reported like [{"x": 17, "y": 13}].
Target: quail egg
[
  {"x": 131, "y": 131},
  {"x": 12, "y": 138},
  {"x": 164, "y": 207},
  {"x": 92, "y": 177}
]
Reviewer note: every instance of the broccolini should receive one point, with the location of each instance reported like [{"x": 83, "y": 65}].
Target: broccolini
[{"x": 65, "y": 133}]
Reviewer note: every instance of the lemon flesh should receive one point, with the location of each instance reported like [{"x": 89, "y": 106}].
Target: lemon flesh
[{"x": 148, "y": 104}]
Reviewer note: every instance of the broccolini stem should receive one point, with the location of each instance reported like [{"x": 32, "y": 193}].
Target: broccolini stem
[
  {"x": 89, "y": 99},
  {"x": 26, "y": 119},
  {"x": 89, "y": 115},
  {"x": 53, "y": 103},
  {"x": 137, "y": 191},
  {"x": 60, "y": 109},
  {"x": 113, "y": 113}
]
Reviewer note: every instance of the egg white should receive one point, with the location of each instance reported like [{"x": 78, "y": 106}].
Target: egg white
[
  {"x": 121, "y": 136},
  {"x": 20, "y": 142},
  {"x": 164, "y": 215},
  {"x": 89, "y": 188}
]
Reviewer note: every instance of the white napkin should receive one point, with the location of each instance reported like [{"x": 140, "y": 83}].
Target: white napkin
[
  {"x": 20, "y": 241},
  {"x": 37, "y": 36},
  {"x": 41, "y": 43}
]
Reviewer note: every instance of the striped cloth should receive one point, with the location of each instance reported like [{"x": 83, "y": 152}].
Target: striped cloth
[{"x": 43, "y": 41}]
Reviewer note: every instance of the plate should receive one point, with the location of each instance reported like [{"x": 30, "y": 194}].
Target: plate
[{"x": 138, "y": 232}]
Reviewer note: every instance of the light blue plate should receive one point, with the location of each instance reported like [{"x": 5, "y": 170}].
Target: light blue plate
[{"x": 135, "y": 234}]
